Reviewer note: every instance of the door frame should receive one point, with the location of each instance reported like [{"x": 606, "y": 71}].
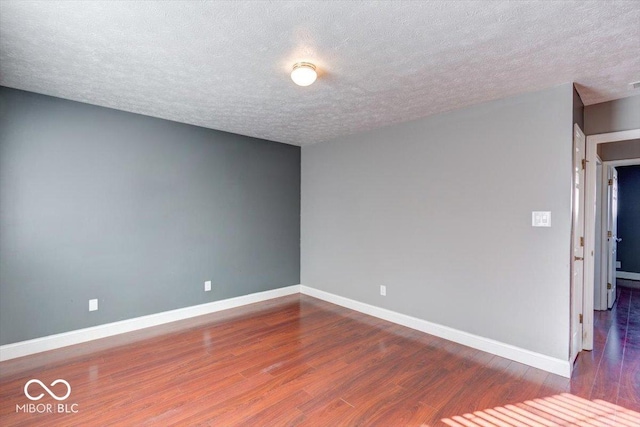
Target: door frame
[
  {"x": 590, "y": 224},
  {"x": 604, "y": 258}
]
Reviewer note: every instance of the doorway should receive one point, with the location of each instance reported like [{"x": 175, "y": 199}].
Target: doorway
[
  {"x": 607, "y": 236},
  {"x": 593, "y": 283}
]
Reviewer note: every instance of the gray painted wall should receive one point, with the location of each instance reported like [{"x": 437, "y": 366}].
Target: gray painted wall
[
  {"x": 629, "y": 218},
  {"x": 439, "y": 211},
  {"x": 612, "y": 116},
  {"x": 578, "y": 109},
  {"x": 135, "y": 211},
  {"x": 619, "y": 150}
]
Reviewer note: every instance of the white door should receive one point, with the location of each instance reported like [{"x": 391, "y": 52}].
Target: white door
[
  {"x": 599, "y": 299},
  {"x": 577, "y": 276},
  {"x": 604, "y": 240},
  {"x": 612, "y": 235}
]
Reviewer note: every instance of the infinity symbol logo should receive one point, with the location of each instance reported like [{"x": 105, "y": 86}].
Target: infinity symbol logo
[{"x": 52, "y": 394}]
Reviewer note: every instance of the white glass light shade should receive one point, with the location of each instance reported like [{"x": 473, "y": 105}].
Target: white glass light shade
[{"x": 304, "y": 73}]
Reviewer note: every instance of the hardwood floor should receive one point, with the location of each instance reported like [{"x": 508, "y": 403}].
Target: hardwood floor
[{"x": 301, "y": 361}]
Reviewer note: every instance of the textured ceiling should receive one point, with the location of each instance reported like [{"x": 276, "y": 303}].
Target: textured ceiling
[{"x": 225, "y": 64}]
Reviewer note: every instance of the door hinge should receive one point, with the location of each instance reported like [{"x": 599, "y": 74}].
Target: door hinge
[
  {"x": 611, "y": 182},
  {"x": 580, "y": 318},
  {"x": 581, "y": 241},
  {"x": 609, "y": 234},
  {"x": 584, "y": 164},
  {"x": 609, "y": 286}
]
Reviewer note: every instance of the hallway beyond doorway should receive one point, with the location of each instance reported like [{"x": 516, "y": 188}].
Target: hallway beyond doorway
[{"x": 612, "y": 369}]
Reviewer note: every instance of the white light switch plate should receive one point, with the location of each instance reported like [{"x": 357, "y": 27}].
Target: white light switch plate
[
  {"x": 93, "y": 304},
  {"x": 541, "y": 219}
]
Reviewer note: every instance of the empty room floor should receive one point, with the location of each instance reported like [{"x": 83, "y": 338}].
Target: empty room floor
[{"x": 297, "y": 360}]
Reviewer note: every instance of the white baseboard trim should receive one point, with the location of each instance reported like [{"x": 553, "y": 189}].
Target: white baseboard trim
[
  {"x": 51, "y": 342},
  {"x": 627, "y": 275},
  {"x": 530, "y": 358}
]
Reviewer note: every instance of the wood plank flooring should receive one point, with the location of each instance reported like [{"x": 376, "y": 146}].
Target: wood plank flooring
[{"x": 301, "y": 361}]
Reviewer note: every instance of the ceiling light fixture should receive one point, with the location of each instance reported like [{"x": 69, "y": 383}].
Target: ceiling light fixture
[{"x": 304, "y": 73}]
